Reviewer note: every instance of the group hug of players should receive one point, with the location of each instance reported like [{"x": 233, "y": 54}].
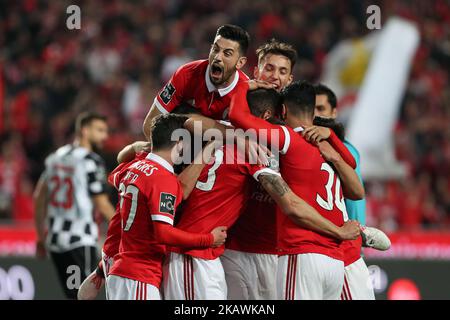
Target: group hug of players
[{"x": 227, "y": 229}]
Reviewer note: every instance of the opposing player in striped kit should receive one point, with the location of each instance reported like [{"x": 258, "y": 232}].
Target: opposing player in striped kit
[{"x": 72, "y": 185}]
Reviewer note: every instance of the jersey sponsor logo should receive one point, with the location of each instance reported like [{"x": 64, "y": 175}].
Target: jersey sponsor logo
[
  {"x": 167, "y": 203},
  {"x": 167, "y": 93}
]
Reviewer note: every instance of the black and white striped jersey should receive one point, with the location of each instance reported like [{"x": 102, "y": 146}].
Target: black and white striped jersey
[{"x": 73, "y": 174}]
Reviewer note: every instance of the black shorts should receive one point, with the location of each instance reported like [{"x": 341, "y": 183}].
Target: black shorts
[{"x": 73, "y": 267}]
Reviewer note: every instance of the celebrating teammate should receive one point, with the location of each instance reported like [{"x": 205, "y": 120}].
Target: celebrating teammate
[
  {"x": 307, "y": 172},
  {"x": 149, "y": 195},
  {"x": 251, "y": 258},
  {"x": 206, "y": 84}
]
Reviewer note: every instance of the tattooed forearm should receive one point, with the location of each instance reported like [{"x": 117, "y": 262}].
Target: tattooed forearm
[{"x": 275, "y": 183}]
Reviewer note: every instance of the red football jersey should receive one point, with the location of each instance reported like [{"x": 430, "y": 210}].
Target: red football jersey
[
  {"x": 307, "y": 174},
  {"x": 315, "y": 181},
  {"x": 112, "y": 241},
  {"x": 351, "y": 250},
  {"x": 149, "y": 191},
  {"x": 218, "y": 198},
  {"x": 255, "y": 230},
  {"x": 191, "y": 84}
]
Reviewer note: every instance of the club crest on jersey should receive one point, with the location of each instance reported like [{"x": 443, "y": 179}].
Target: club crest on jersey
[
  {"x": 167, "y": 203},
  {"x": 167, "y": 93}
]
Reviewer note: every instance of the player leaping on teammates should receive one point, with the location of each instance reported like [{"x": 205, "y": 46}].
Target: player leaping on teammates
[{"x": 208, "y": 84}]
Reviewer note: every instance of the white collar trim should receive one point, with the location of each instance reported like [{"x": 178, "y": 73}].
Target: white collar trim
[
  {"x": 161, "y": 161},
  {"x": 222, "y": 91}
]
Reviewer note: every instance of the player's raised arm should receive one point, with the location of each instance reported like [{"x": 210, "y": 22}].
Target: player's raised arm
[
  {"x": 315, "y": 134},
  {"x": 302, "y": 213},
  {"x": 241, "y": 117},
  {"x": 188, "y": 177},
  {"x": 129, "y": 152},
  {"x": 40, "y": 207},
  {"x": 352, "y": 187}
]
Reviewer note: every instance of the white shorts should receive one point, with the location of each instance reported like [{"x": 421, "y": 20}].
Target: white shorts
[
  {"x": 357, "y": 282},
  {"x": 309, "y": 276},
  {"x": 189, "y": 278},
  {"x": 250, "y": 276},
  {"x": 120, "y": 288}
]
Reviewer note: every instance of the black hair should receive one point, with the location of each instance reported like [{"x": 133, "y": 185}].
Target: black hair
[
  {"x": 337, "y": 127},
  {"x": 235, "y": 33},
  {"x": 300, "y": 98},
  {"x": 323, "y": 89},
  {"x": 185, "y": 108},
  {"x": 162, "y": 128},
  {"x": 261, "y": 100},
  {"x": 84, "y": 119},
  {"x": 279, "y": 48}
]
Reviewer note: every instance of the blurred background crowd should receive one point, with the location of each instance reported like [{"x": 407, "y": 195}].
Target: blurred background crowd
[{"x": 126, "y": 50}]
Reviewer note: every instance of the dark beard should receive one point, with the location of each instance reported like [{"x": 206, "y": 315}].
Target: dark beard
[{"x": 337, "y": 127}]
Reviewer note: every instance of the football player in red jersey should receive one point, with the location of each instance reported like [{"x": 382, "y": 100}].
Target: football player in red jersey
[
  {"x": 307, "y": 171},
  {"x": 206, "y": 84},
  {"x": 357, "y": 284},
  {"x": 250, "y": 260},
  {"x": 218, "y": 199},
  {"x": 149, "y": 195}
]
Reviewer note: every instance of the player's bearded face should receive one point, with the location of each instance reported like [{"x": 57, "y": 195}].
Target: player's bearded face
[
  {"x": 97, "y": 134},
  {"x": 223, "y": 60}
]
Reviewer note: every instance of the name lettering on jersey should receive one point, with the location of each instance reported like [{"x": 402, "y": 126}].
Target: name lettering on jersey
[
  {"x": 167, "y": 203},
  {"x": 131, "y": 176},
  {"x": 167, "y": 93},
  {"x": 144, "y": 167}
]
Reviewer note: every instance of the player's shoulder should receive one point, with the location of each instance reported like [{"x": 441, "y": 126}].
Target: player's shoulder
[
  {"x": 94, "y": 157},
  {"x": 193, "y": 68}
]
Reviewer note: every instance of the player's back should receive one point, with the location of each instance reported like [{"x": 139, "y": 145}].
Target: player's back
[
  {"x": 314, "y": 180},
  {"x": 218, "y": 198},
  {"x": 70, "y": 176},
  {"x": 141, "y": 203}
]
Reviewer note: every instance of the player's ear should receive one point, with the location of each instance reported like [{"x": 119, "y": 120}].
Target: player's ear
[
  {"x": 334, "y": 113},
  {"x": 267, "y": 114},
  {"x": 256, "y": 72},
  {"x": 283, "y": 112},
  {"x": 241, "y": 62},
  {"x": 291, "y": 77}
]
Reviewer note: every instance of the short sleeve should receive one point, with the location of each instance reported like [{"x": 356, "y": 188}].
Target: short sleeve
[
  {"x": 96, "y": 175},
  {"x": 114, "y": 176},
  {"x": 172, "y": 94},
  {"x": 164, "y": 199},
  {"x": 255, "y": 170}
]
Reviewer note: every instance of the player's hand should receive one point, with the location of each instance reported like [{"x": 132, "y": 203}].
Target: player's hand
[
  {"x": 257, "y": 84},
  {"x": 140, "y": 146},
  {"x": 328, "y": 152},
  {"x": 315, "y": 134},
  {"x": 41, "y": 251},
  {"x": 350, "y": 230},
  {"x": 220, "y": 235},
  {"x": 90, "y": 287}
]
